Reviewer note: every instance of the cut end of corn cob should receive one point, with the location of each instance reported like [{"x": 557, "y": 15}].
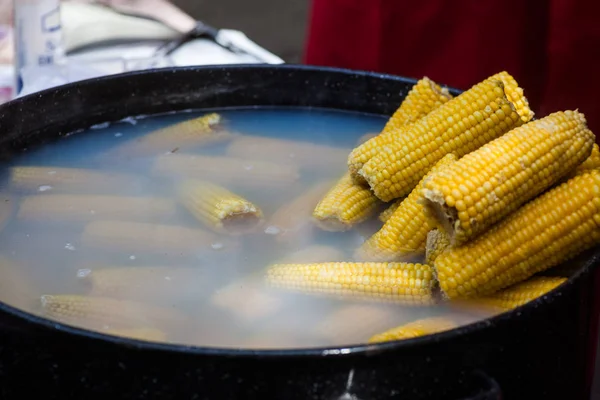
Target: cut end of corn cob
[
  {"x": 345, "y": 205},
  {"x": 515, "y": 95},
  {"x": 219, "y": 209},
  {"x": 384, "y": 282},
  {"x": 422, "y": 327},
  {"x": 437, "y": 242}
]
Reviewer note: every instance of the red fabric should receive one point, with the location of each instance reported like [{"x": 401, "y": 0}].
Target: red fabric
[{"x": 551, "y": 47}]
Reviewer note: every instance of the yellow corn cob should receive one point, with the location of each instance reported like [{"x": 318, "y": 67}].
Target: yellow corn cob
[
  {"x": 181, "y": 136},
  {"x": 146, "y": 284},
  {"x": 437, "y": 242},
  {"x": 486, "y": 185},
  {"x": 422, "y": 327},
  {"x": 106, "y": 313},
  {"x": 247, "y": 300},
  {"x": 146, "y": 334},
  {"x": 219, "y": 209},
  {"x": 43, "y": 179},
  {"x": 74, "y": 208},
  {"x": 314, "y": 254},
  {"x": 592, "y": 162},
  {"x": 144, "y": 237},
  {"x": 292, "y": 223},
  {"x": 387, "y": 213},
  {"x": 365, "y": 137},
  {"x": 355, "y": 323},
  {"x": 288, "y": 152},
  {"x": 514, "y": 94},
  {"x": 405, "y": 232},
  {"x": 424, "y": 97},
  {"x": 385, "y": 282},
  {"x": 543, "y": 233},
  {"x": 227, "y": 170},
  {"x": 459, "y": 126},
  {"x": 345, "y": 205}
]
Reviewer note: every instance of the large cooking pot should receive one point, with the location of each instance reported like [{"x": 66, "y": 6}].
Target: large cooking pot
[{"x": 539, "y": 351}]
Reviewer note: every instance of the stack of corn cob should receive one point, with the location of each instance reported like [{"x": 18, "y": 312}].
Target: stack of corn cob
[{"x": 490, "y": 198}]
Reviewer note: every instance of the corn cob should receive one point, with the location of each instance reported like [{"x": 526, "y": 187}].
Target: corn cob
[
  {"x": 144, "y": 237},
  {"x": 292, "y": 221},
  {"x": 227, "y": 170},
  {"x": 16, "y": 288},
  {"x": 345, "y": 205},
  {"x": 75, "y": 208},
  {"x": 314, "y": 254},
  {"x": 422, "y": 327},
  {"x": 365, "y": 137},
  {"x": 385, "y": 215},
  {"x": 543, "y": 233},
  {"x": 592, "y": 162},
  {"x": 437, "y": 242},
  {"x": 7, "y": 208},
  {"x": 459, "y": 126},
  {"x": 219, "y": 209},
  {"x": 146, "y": 334},
  {"x": 288, "y": 152},
  {"x": 247, "y": 300},
  {"x": 145, "y": 284},
  {"x": 386, "y": 282},
  {"x": 486, "y": 185},
  {"x": 405, "y": 233},
  {"x": 105, "y": 313},
  {"x": 181, "y": 136},
  {"x": 424, "y": 97},
  {"x": 355, "y": 323},
  {"x": 515, "y": 95},
  {"x": 42, "y": 179}
]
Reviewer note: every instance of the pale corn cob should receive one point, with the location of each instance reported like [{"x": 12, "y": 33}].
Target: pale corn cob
[
  {"x": 355, "y": 323},
  {"x": 424, "y": 97},
  {"x": 387, "y": 213},
  {"x": 484, "y": 186},
  {"x": 144, "y": 237},
  {"x": 422, "y": 327},
  {"x": 288, "y": 152},
  {"x": 247, "y": 299},
  {"x": 43, "y": 179},
  {"x": 146, "y": 284},
  {"x": 76, "y": 208},
  {"x": 345, "y": 205},
  {"x": 227, "y": 170},
  {"x": 405, "y": 232},
  {"x": 181, "y": 136},
  {"x": 385, "y": 282},
  {"x": 437, "y": 242},
  {"x": 592, "y": 162},
  {"x": 219, "y": 209},
  {"x": 146, "y": 334},
  {"x": 292, "y": 223},
  {"x": 543, "y": 233},
  {"x": 16, "y": 288},
  {"x": 7, "y": 208},
  {"x": 106, "y": 313},
  {"x": 460, "y": 126},
  {"x": 365, "y": 137},
  {"x": 314, "y": 254}
]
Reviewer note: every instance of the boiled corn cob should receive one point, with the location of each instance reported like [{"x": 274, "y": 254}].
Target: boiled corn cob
[
  {"x": 543, "y": 233},
  {"x": 405, "y": 232},
  {"x": 314, "y": 254},
  {"x": 514, "y": 94},
  {"x": 424, "y": 97},
  {"x": 386, "y": 282},
  {"x": 75, "y": 208},
  {"x": 7, "y": 208},
  {"x": 149, "y": 238},
  {"x": 227, "y": 170},
  {"x": 355, "y": 323},
  {"x": 459, "y": 126},
  {"x": 484, "y": 186},
  {"x": 387, "y": 213},
  {"x": 288, "y": 152},
  {"x": 437, "y": 242},
  {"x": 592, "y": 162},
  {"x": 16, "y": 288},
  {"x": 247, "y": 300},
  {"x": 181, "y": 136},
  {"x": 422, "y": 327},
  {"x": 106, "y": 313},
  {"x": 146, "y": 334},
  {"x": 345, "y": 205},
  {"x": 365, "y": 137},
  {"x": 219, "y": 209},
  {"x": 43, "y": 179},
  {"x": 291, "y": 223}
]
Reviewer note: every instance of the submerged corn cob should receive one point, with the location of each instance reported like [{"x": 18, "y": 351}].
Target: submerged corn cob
[
  {"x": 405, "y": 232},
  {"x": 75, "y": 208},
  {"x": 486, "y": 185},
  {"x": 437, "y": 242},
  {"x": 592, "y": 162},
  {"x": 247, "y": 300},
  {"x": 288, "y": 152},
  {"x": 355, "y": 323},
  {"x": 16, "y": 288},
  {"x": 147, "y": 334},
  {"x": 7, "y": 208},
  {"x": 386, "y": 282},
  {"x": 144, "y": 237},
  {"x": 463, "y": 124},
  {"x": 424, "y": 97},
  {"x": 543, "y": 233},
  {"x": 314, "y": 254},
  {"x": 422, "y": 327},
  {"x": 387, "y": 213},
  {"x": 291, "y": 223},
  {"x": 345, "y": 205},
  {"x": 219, "y": 209},
  {"x": 227, "y": 170},
  {"x": 43, "y": 179}
]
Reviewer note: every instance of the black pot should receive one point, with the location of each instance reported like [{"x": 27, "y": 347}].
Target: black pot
[{"x": 538, "y": 351}]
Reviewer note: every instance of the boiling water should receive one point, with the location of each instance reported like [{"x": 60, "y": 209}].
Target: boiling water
[{"x": 209, "y": 295}]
